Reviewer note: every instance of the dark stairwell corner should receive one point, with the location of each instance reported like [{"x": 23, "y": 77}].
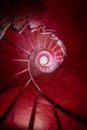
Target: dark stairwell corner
[{"x": 43, "y": 65}]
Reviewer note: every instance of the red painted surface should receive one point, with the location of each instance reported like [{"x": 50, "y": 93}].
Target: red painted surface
[{"x": 67, "y": 85}]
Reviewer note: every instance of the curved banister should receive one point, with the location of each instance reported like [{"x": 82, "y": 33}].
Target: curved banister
[{"x": 70, "y": 113}]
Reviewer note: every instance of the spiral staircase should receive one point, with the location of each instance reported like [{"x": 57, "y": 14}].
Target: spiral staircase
[{"x": 39, "y": 88}]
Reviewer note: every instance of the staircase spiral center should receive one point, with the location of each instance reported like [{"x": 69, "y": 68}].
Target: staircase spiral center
[{"x": 43, "y": 60}]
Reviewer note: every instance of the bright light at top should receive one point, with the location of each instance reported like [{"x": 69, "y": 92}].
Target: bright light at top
[{"x": 43, "y": 60}]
